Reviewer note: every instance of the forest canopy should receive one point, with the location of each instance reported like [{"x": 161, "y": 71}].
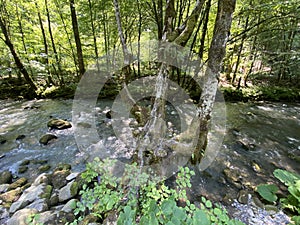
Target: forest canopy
[{"x": 56, "y": 41}]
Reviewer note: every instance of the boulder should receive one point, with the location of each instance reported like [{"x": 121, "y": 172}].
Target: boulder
[
  {"x": 30, "y": 195},
  {"x": 11, "y": 196},
  {"x": 5, "y": 177},
  {"x": 18, "y": 183},
  {"x": 20, "y": 137},
  {"x": 68, "y": 191},
  {"x": 21, "y": 217},
  {"x": 46, "y": 138},
  {"x": 70, "y": 206},
  {"x": 59, "y": 124},
  {"x": 59, "y": 178},
  {"x": 41, "y": 205}
]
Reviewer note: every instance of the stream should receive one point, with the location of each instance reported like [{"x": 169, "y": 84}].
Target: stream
[{"x": 260, "y": 137}]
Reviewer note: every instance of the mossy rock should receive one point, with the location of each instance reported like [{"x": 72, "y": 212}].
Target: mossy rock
[
  {"x": 18, "y": 183},
  {"x": 5, "y": 177},
  {"x": 47, "y": 138},
  {"x": 59, "y": 124},
  {"x": 44, "y": 168}
]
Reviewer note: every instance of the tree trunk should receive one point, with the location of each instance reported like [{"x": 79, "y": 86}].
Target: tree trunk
[
  {"x": 94, "y": 34},
  {"x": 77, "y": 38},
  {"x": 68, "y": 35},
  {"x": 216, "y": 54},
  {"x": 58, "y": 74},
  {"x": 45, "y": 45},
  {"x": 15, "y": 55}
]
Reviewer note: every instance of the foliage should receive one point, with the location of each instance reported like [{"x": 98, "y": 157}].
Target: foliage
[
  {"x": 140, "y": 198},
  {"x": 292, "y": 201}
]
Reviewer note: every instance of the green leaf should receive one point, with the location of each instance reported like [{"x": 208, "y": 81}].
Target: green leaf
[
  {"x": 200, "y": 218},
  {"x": 286, "y": 177},
  {"x": 268, "y": 191}
]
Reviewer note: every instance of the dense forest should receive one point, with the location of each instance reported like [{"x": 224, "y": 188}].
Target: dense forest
[
  {"x": 49, "y": 44},
  {"x": 56, "y": 51}
]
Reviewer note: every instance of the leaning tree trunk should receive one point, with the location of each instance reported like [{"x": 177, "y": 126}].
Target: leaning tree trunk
[
  {"x": 77, "y": 38},
  {"x": 216, "y": 54},
  {"x": 16, "y": 57}
]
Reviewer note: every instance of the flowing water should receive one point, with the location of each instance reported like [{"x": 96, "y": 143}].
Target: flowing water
[{"x": 260, "y": 137}]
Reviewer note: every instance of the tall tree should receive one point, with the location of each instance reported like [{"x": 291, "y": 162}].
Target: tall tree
[
  {"x": 17, "y": 59},
  {"x": 77, "y": 38},
  {"x": 216, "y": 54}
]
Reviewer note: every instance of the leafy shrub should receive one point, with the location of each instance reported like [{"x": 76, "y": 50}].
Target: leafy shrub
[
  {"x": 292, "y": 201},
  {"x": 140, "y": 198}
]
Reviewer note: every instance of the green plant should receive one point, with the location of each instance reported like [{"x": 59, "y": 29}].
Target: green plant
[
  {"x": 140, "y": 198},
  {"x": 292, "y": 201}
]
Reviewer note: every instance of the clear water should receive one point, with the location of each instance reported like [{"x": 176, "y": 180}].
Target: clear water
[{"x": 272, "y": 130}]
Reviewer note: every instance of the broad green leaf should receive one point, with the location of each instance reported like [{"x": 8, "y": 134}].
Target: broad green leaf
[
  {"x": 286, "y": 177},
  {"x": 200, "y": 218},
  {"x": 268, "y": 191}
]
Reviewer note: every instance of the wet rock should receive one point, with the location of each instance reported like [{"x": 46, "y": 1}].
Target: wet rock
[
  {"x": 2, "y": 156},
  {"x": 44, "y": 168},
  {"x": 20, "y": 137},
  {"x": 21, "y": 217},
  {"x": 63, "y": 166},
  {"x": 18, "y": 183},
  {"x": 2, "y": 140},
  {"x": 108, "y": 114},
  {"x": 59, "y": 124},
  {"x": 4, "y": 214},
  {"x": 59, "y": 178},
  {"x": 38, "y": 161},
  {"x": 243, "y": 196},
  {"x": 246, "y": 144},
  {"x": 53, "y": 201},
  {"x": 25, "y": 162},
  {"x": 255, "y": 167},
  {"x": 68, "y": 191},
  {"x": 22, "y": 169},
  {"x": 46, "y": 138},
  {"x": 5, "y": 177}
]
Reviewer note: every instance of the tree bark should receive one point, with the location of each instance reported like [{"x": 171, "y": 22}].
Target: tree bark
[
  {"x": 94, "y": 34},
  {"x": 15, "y": 55},
  {"x": 216, "y": 54},
  {"x": 77, "y": 38}
]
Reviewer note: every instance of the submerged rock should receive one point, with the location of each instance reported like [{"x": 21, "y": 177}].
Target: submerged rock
[
  {"x": 46, "y": 138},
  {"x": 59, "y": 124}
]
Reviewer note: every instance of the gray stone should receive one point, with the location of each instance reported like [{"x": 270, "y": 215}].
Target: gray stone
[
  {"x": 29, "y": 195},
  {"x": 41, "y": 179},
  {"x": 59, "y": 178},
  {"x": 40, "y": 205},
  {"x": 72, "y": 176},
  {"x": 3, "y": 187},
  {"x": 20, "y": 217},
  {"x": 70, "y": 206},
  {"x": 68, "y": 191}
]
